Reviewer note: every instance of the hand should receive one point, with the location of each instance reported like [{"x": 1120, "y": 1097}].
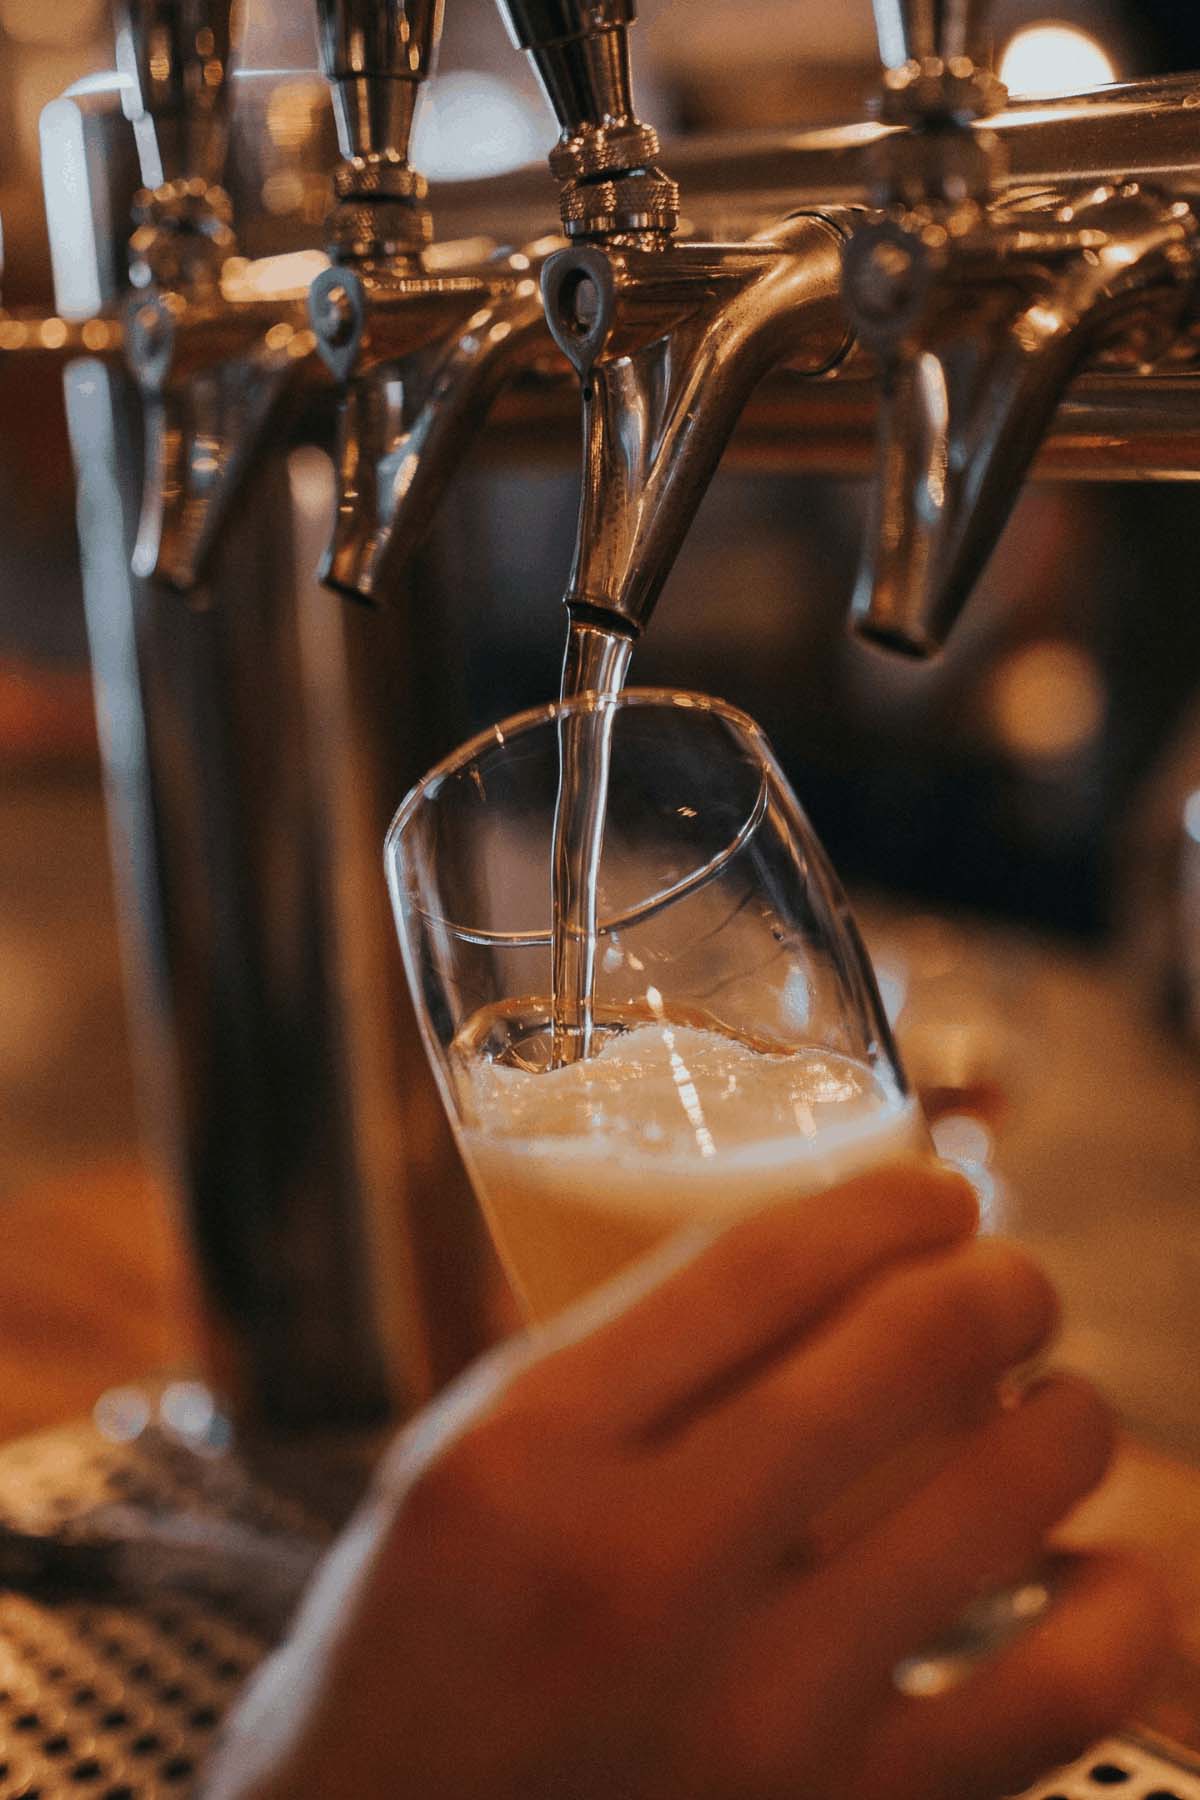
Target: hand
[{"x": 650, "y": 1552}]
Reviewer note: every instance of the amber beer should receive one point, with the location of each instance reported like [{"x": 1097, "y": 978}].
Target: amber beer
[{"x": 584, "y": 1168}]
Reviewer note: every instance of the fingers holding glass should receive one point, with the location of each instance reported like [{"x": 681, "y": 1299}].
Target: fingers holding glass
[
  {"x": 751, "y": 1294},
  {"x": 843, "y": 1426},
  {"x": 1035, "y": 1706}
]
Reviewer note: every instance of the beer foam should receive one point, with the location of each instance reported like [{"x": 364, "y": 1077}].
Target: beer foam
[{"x": 676, "y": 1121}]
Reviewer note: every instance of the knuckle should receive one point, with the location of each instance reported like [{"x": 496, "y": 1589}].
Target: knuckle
[
  {"x": 567, "y": 1547},
  {"x": 975, "y": 1310}
]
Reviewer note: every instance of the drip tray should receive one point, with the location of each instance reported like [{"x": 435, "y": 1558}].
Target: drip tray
[
  {"x": 120, "y": 1701},
  {"x": 115, "y": 1700},
  {"x": 1126, "y": 1768}
]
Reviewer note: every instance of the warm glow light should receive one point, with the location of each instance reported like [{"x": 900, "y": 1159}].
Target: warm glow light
[
  {"x": 1054, "y": 59},
  {"x": 286, "y": 277},
  {"x": 1047, "y": 701}
]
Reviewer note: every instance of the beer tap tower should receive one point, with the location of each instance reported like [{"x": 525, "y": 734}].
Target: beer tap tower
[{"x": 927, "y": 288}]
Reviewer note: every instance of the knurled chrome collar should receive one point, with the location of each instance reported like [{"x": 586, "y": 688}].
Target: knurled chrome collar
[
  {"x": 367, "y": 230},
  {"x": 604, "y": 150},
  {"x": 646, "y": 200}
]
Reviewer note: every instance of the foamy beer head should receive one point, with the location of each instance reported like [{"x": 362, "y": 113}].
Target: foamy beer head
[{"x": 583, "y": 1169}]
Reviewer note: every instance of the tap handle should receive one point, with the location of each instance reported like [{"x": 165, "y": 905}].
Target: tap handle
[
  {"x": 937, "y": 58},
  {"x": 581, "y": 54},
  {"x": 605, "y": 157},
  {"x": 376, "y": 54},
  {"x": 915, "y": 30},
  {"x": 175, "y": 55}
]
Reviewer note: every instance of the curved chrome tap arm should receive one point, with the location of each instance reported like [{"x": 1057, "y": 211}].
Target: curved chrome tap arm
[
  {"x": 968, "y": 399},
  {"x": 669, "y": 347},
  {"x": 419, "y": 341},
  {"x": 416, "y": 397},
  {"x": 211, "y": 366},
  {"x": 214, "y": 375},
  {"x": 980, "y": 314}
]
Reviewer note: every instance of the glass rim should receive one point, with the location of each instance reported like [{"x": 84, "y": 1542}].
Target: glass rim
[
  {"x": 498, "y": 737},
  {"x": 517, "y": 724}
]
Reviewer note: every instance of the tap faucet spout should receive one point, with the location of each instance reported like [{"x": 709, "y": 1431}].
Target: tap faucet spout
[
  {"x": 214, "y": 375},
  {"x": 669, "y": 349},
  {"x": 420, "y": 339},
  {"x": 211, "y": 363},
  {"x": 978, "y": 338},
  {"x": 980, "y": 312},
  {"x": 419, "y": 389}
]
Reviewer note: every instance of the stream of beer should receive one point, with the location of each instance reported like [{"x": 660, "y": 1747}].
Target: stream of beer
[{"x": 596, "y": 662}]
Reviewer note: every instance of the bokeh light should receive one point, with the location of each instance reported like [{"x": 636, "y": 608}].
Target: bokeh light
[{"x": 1053, "y": 58}]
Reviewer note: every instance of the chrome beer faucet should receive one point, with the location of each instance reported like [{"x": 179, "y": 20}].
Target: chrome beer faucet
[
  {"x": 669, "y": 337},
  {"x": 212, "y": 348},
  {"x": 981, "y": 302},
  {"x": 420, "y": 337}
]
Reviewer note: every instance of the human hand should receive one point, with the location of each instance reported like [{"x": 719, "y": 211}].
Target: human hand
[{"x": 631, "y": 1555}]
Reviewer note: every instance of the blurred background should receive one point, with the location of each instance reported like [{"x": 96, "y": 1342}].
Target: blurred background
[{"x": 1033, "y": 788}]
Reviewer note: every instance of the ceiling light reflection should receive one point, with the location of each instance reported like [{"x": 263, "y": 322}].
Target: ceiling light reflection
[{"x": 474, "y": 124}]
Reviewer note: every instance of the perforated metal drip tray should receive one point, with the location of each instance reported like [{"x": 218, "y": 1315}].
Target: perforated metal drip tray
[
  {"x": 117, "y": 1700},
  {"x": 1125, "y": 1768}
]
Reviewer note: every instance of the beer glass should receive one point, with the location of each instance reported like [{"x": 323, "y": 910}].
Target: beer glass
[
  {"x": 739, "y": 1050},
  {"x": 739, "y": 1053}
]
